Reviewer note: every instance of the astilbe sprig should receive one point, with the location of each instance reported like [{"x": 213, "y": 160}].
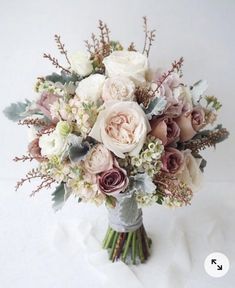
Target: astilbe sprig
[
  {"x": 61, "y": 47},
  {"x": 149, "y": 37},
  {"x": 175, "y": 67},
  {"x": 206, "y": 139},
  {"x": 33, "y": 174},
  {"x": 173, "y": 189},
  {"x": 33, "y": 122},
  {"x": 100, "y": 46}
]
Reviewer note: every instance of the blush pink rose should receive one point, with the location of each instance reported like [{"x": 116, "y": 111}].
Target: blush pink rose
[
  {"x": 190, "y": 122},
  {"x": 45, "y": 102},
  {"x": 168, "y": 86},
  {"x": 113, "y": 181},
  {"x": 172, "y": 160},
  {"x": 165, "y": 129},
  {"x": 98, "y": 159},
  {"x": 35, "y": 150}
]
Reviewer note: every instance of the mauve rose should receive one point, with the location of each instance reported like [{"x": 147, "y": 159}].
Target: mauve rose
[
  {"x": 198, "y": 118},
  {"x": 35, "y": 150},
  {"x": 113, "y": 181},
  {"x": 45, "y": 102},
  {"x": 165, "y": 129},
  {"x": 190, "y": 122},
  {"x": 98, "y": 159},
  {"x": 172, "y": 160}
]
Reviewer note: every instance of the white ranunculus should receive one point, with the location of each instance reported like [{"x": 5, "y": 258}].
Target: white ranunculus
[
  {"x": 130, "y": 64},
  {"x": 118, "y": 88},
  {"x": 80, "y": 63},
  {"x": 90, "y": 88},
  {"x": 122, "y": 127},
  {"x": 52, "y": 144},
  {"x": 191, "y": 173}
]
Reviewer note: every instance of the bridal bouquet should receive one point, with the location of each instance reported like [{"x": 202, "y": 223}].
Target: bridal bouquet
[{"x": 108, "y": 129}]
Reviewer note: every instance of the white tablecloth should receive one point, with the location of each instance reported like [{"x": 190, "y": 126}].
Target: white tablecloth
[{"x": 41, "y": 249}]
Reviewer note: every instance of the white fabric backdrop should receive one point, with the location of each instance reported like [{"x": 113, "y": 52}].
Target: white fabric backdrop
[{"x": 41, "y": 249}]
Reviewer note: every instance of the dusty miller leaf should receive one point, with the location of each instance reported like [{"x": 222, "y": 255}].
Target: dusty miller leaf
[
  {"x": 59, "y": 196},
  {"x": 197, "y": 90},
  {"x": 142, "y": 183},
  {"x": 63, "y": 78},
  {"x": 17, "y": 111},
  {"x": 128, "y": 210},
  {"x": 155, "y": 107},
  {"x": 77, "y": 149}
]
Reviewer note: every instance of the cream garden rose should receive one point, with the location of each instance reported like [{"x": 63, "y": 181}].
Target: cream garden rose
[
  {"x": 90, "y": 88},
  {"x": 122, "y": 127},
  {"x": 80, "y": 63},
  {"x": 130, "y": 64},
  {"x": 118, "y": 88},
  {"x": 190, "y": 172}
]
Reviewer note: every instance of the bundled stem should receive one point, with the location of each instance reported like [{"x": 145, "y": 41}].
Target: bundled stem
[{"x": 128, "y": 246}]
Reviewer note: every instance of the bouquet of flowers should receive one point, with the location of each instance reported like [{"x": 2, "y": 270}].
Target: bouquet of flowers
[{"x": 108, "y": 129}]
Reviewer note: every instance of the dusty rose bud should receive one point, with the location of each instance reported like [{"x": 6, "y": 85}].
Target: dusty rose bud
[
  {"x": 35, "y": 150},
  {"x": 172, "y": 160}
]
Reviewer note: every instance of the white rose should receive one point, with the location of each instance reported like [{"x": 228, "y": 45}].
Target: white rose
[
  {"x": 191, "y": 173},
  {"x": 80, "y": 63},
  {"x": 118, "y": 88},
  {"x": 130, "y": 64},
  {"x": 52, "y": 144},
  {"x": 90, "y": 88},
  {"x": 122, "y": 128}
]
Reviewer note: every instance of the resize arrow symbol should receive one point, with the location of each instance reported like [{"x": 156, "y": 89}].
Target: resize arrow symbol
[
  {"x": 219, "y": 267},
  {"x": 213, "y": 261}
]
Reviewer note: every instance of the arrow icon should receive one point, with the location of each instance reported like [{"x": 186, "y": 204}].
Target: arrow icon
[
  {"x": 219, "y": 267},
  {"x": 213, "y": 261}
]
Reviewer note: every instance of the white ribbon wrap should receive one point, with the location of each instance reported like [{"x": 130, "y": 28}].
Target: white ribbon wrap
[{"x": 125, "y": 216}]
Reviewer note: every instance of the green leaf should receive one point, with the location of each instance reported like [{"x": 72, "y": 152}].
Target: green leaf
[
  {"x": 110, "y": 201},
  {"x": 17, "y": 111},
  {"x": 160, "y": 199},
  {"x": 59, "y": 196}
]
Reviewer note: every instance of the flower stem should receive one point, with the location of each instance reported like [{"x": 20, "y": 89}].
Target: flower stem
[
  {"x": 136, "y": 244},
  {"x": 134, "y": 248}
]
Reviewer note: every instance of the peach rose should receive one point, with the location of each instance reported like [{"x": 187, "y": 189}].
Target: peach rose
[
  {"x": 190, "y": 122},
  {"x": 98, "y": 159},
  {"x": 190, "y": 172}
]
